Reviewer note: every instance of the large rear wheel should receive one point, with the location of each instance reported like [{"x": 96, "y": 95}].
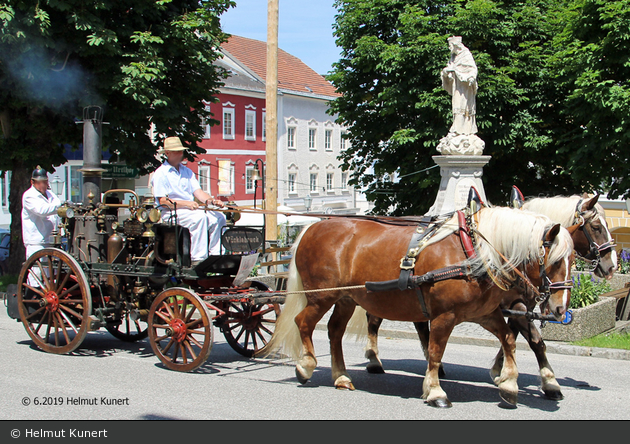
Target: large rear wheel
[
  {"x": 54, "y": 301},
  {"x": 180, "y": 329}
]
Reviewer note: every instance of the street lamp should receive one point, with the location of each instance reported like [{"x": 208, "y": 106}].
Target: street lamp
[
  {"x": 308, "y": 200},
  {"x": 259, "y": 174},
  {"x": 56, "y": 185}
]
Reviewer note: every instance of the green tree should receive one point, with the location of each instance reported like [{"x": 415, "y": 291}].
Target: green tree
[
  {"x": 593, "y": 59},
  {"x": 148, "y": 63},
  {"x": 396, "y": 111}
]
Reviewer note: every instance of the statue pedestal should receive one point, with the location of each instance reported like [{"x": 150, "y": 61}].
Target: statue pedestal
[{"x": 459, "y": 173}]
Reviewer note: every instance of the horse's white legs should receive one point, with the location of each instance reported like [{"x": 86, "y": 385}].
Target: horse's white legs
[{"x": 441, "y": 328}]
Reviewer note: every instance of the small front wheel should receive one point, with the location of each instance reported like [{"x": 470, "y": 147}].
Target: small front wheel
[{"x": 180, "y": 329}]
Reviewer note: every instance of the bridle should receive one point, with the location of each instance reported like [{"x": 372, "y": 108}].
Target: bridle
[{"x": 595, "y": 250}]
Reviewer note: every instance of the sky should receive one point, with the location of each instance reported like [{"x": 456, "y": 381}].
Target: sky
[{"x": 304, "y": 28}]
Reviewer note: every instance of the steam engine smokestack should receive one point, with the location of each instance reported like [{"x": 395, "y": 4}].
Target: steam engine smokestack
[{"x": 92, "y": 153}]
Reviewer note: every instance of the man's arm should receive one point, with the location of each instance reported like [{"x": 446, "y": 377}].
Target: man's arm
[
  {"x": 207, "y": 199},
  {"x": 39, "y": 206}
]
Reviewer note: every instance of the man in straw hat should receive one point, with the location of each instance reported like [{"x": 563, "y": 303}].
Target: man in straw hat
[
  {"x": 39, "y": 212},
  {"x": 176, "y": 187}
]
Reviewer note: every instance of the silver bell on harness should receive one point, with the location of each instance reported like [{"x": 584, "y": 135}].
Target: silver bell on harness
[
  {"x": 474, "y": 203},
  {"x": 516, "y": 198},
  {"x": 39, "y": 174}
]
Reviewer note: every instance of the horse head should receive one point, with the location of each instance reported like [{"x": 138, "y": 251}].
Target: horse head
[
  {"x": 553, "y": 273},
  {"x": 593, "y": 240}
]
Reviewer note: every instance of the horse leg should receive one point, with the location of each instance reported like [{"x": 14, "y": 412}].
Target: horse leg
[
  {"x": 497, "y": 367},
  {"x": 508, "y": 379},
  {"x": 344, "y": 308},
  {"x": 441, "y": 328},
  {"x": 550, "y": 385},
  {"x": 422, "y": 328},
  {"x": 371, "y": 351},
  {"x": 306, "y": 321}
]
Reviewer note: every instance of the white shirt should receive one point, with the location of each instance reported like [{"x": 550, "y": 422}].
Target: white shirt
[
  {"x": 177, "y": 184},
  {"x": 39, "y": 216}
]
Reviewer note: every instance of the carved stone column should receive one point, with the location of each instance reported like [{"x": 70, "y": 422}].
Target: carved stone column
[{"x": 458, "y": 173}]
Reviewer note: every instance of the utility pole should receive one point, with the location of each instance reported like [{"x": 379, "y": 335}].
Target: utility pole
[{"x": 271, "y": 106}]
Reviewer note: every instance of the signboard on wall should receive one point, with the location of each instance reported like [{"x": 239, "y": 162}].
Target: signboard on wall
[{"x": 114, "y": 171}]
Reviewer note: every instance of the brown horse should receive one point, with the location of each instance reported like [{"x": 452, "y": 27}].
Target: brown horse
[
  {"x": 333, "y": 259},
  {"x": 591, "y": 239}
]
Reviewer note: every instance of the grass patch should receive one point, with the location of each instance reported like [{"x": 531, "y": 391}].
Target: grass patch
[
  {"x": 612, "y": 340},
  {"x": 6, "y": 280}
]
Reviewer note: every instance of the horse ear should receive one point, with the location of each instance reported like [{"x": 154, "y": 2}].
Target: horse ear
[
  {"x": 573, "y": 228},
  {"x": 516, "y": 198},
  {"x": 553, "y": 232},
  {"x": 589, "y": 204}
]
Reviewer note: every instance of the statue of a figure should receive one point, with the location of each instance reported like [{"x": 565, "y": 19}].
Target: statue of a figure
[{"x": 459, "y": 79}]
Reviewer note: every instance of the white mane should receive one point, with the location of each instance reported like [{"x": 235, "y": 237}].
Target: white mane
[
  {"x": 560, "y": 208},
  {"x": 516, "y": 234}
]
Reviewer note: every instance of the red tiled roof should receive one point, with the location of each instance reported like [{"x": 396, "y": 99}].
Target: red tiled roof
[{"x": 293, "y": 74}]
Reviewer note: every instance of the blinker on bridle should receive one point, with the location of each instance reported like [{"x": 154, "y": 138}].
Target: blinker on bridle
[{"x": 546, "y": 285}]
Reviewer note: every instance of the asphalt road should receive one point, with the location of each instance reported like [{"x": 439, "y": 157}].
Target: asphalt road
[{"x": 106, "y": 379}]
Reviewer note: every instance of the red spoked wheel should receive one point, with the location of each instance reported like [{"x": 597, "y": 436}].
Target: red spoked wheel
[
  {"x": 54, "y": 300},
  {"x": 180, "y": 329}
]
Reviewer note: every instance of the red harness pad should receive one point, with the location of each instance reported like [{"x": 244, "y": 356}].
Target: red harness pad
[{"x": 464, "y": 235}]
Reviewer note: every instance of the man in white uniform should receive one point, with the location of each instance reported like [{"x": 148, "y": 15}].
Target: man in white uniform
[
  {"x": 39, "y": 213},
  {"x": 175, "y": 186}
]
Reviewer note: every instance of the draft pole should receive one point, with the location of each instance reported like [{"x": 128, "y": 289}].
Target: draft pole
[{"x": 271, "y": 105}]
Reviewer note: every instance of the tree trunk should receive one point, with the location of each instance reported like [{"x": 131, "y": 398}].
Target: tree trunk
[{"x": 20, "y": 182}]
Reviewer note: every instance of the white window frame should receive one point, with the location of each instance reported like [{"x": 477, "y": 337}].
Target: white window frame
[
  {"x": 312, "y": 139},
  {"x": 328, "y": 137},
  {"x": 232, "y": 127},
  {"x": 313, "y": 180},
  {"x": 330, "y": 182},
  {"x": 344, "y": 181},
  {"x": 250, "y": 122},
  {"x": 264, "y": 126},
  {"x": 291, "y": 137},
  {"x": 291, "y": 182},
  {"x": 343, "y": 141},
  {"x": 249, "y": 182},
  {"x": 231, "y": 175},
  {"x": 203, "y": 177},
  {"x": 205, "y": 125}
]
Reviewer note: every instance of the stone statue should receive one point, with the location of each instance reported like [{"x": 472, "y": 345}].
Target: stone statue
[{"x": 459, "y": 79}]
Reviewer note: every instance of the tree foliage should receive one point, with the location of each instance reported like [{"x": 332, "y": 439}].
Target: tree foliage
[
  {"x": 148, "y": 63},
  {"x": 529, "y": 91}
]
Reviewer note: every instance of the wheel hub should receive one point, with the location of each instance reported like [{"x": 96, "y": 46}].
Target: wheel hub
[
  {"x": 177, "y": 330},
  {"x": 50, "y": 301}
]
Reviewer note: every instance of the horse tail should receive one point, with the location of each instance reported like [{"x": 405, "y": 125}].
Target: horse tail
[
  {"x": 286, "y": 337},
  {"x": 357, "y": 325}
]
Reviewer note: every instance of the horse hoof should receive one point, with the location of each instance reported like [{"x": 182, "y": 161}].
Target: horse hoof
[
  {"x": 375, "y": 369},
  {"x": 509, "y": 397},
  {"x": 300, "y": 376},
  {"x": 554, "y": 395},
  {"x": 440, "y": 403},
  {"x": 343, "y": 383}
]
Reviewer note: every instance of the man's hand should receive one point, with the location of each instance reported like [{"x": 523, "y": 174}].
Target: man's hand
[{"x": 215, "y": 202}]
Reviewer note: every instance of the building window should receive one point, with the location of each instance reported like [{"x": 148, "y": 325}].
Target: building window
[
  {"x": 205, "y": 125},
  {"x": 312, "y": 137},
  {"x": 292, "y": 181},
  {"x": 328, "y": 140},
  {"x": 291, "y": 137},
  {"x": 344, "y": 181},
  {"x": 250, "y": 125},
  {"x": 313, "y": 183},
  {"x": 249, "y": 182},
  {"x": 204, "y": 178},
  {"x": 228, "y": 123},
  {"x": 343, "y": 141},
  {"x": 226, "y": 178},
  {"x": 264, "y": 126},
  {"x": 76, "y": 184},
  {"x": 330, "y": 181}
]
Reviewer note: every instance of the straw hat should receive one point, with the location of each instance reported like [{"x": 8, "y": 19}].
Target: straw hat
[{"x": 172, "y": 144}]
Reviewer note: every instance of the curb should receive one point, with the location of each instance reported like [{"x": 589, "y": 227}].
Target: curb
[{"x": 556, "y": 347}]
